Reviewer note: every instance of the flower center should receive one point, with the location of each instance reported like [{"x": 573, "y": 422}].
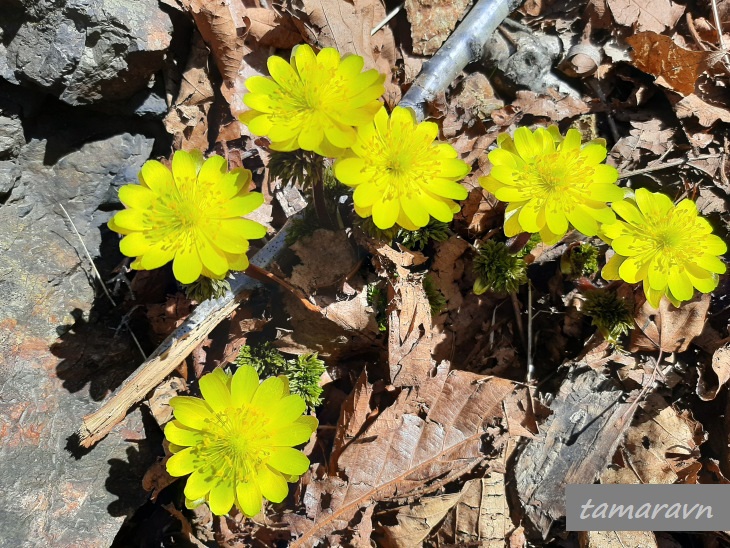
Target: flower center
[
  {"x": 234, "y": 444},
  {"x": 187, "y": 213}
]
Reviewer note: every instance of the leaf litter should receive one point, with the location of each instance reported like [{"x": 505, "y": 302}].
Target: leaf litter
[{"x": 430, "y": 433}]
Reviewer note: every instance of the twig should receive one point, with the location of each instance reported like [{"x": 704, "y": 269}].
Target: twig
[
  {"x": 518, "y": 316},
  {"x": 88, "y": 256},
  {"x": 176, "y": 347},
  {"x": 530, "y": 364},
  {"x": 718, "y": 28},
  {"x": 464, "y": 45},
  {"x": 387, "y": 18},
  {"x": 673, "y": 163},
  {"x": 262, "y": 275}
]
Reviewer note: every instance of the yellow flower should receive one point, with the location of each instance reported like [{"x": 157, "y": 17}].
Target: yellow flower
[
  {"x": 312, "y": 102},
  {"x": 400, "y": 174},
  {"x": 551, "y": 182},
  {"x": 671, "y": 249},
  {"x": 190, "y": 215},
  {"x": 237, "y": 441}
]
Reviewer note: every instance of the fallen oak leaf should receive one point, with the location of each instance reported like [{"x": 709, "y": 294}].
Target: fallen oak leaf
[
  {"x": 641, "y": 15},
  {"x": 405, "y": 448},
  {"x": 673, "y": 66},
  {"x": 273, "y": 29},
  {"x": 669, "y": 328},
  {"x": 708, "y": 389}
]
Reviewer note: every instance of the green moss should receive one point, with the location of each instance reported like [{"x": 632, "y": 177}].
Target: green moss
[
  {"x": 304, "y": 372},
  {"x": 580, "y": 261},
  {"x": 497, "y": 269},
  {"x": 205, "y": 288},
  {"x": 434, "y": 231},
  {"x": 609, "y": 313}
]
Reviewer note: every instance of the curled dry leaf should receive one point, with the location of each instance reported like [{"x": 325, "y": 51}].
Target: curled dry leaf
[
  {"x": 480, "y": 516},
  {"x": 551, "y": 104},
  {"x": 661, "y": 445},
  {"x": 708, "y": 385},
  {"x": 707, "y": 114},
  {"x": 617, "y": 539},
  {"x": 641, "y": 15},
  {"x": 673, "y": 66},
  {"x": 410, "y": 338},
  {"x": 271, "y": 28},
  {"x": 433, "y": 432},
  {"x": 221, "y": 24},
  {"x": 669, "y": 328},
  {"x": 417, "y": 520}
]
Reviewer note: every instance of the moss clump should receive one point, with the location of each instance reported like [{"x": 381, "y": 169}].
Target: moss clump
[
  {"x": 205, "y": 288},
  {"x": 580, "y": 261},
  {"x": 609, "y": 313},
  {"x": 417, "y": 240},
  {"x": 303, "y": 373},
  {"x": 497, "y": 269}
]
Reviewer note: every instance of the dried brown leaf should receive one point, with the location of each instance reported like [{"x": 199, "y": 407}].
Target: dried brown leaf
[
  {"x": 481, "y": 515},
  {"x": 222, "y": 26},
  {"x": 410, "y": 339},
  {"x": 708, "y": 385},
  {"x": 273, "y": 29},
  {"x": 431, "y": 432},
  {"x": 670, "y": 328},
  {"x": 661, "y": 443},
  {"x": 673, "y": 66},
  {"x": 417, "y": 520},
  {"x": 617, "y": 539},
  {"x": 706, "y": 113},
  {"x": 432, "y": 22},
  {"x": 552, "y": 105},
  {"x": 641, "y": 15},
  {"x": 326, "y": 257}
]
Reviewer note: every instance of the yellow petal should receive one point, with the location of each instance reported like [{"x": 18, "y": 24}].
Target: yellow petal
[
  {"x": 526, "y": 144},
  {"x": 248, "y": 495},
  {"x": 351, "y": 66},
  {"x": 273, "y": 486},
  {"x": 261, "y": 84},
  {"x": 198, "y": 485},
  {"x": 212, "y": 257},
  {"x": 634, "y": 269},
  {"x": 156, "y": 177},
  {"x": 312, "y": 134},
  {"x": 182, "y": 463},
  {"x": 415, "y": 212},
  {"x": 132, "y": 219},
  {"x": 156, "y": 256},
  {"x": 630, "y": 245},
  {"x": 135, "y": 244},
  {"x": 243, "y": 385},
  {"x": 258, "y": 125},
  {"x": 710, "y": 262},
  {"x": 304, "y": 59},
  {"x": 447, "y": 189},
  {"x": 593, "y": 154},
  {"x": 555, "y": 218},
  {"x": 704, "y": 284},
  {"x": 291, "y": 435},
  {"x": 572, "y": 140},
  {"x": 286, "y": 411},
  {"x": 611, "y": 270},
  {"x": 438, "y": 208},
  {"x": 530, "y": 214},
  {"x": 603, "y": 174},
  {"x": 283, "y": 74},
  {"x": 653, "y": 296},
  {"x": 711, "y": 245},
  {"x": 605, "y": 192},
  {"x": 327, "y": 58},
  {"x": 657, "y": 274},
  {"x": 385, "y": 213},
  {"x": 680, "y": 285},
  {"x": 628, "y": 212},
  {"x": 366, "y": 194},
  {"x": 187, "y": 265},
  {"x": 212, "y": 171},
  {"x": 583, "y": 221},
  {"x": 238, "y": 206},
  {"x": 137, "y": 196},
  {"x": 340, "y": 135},
  {"x": 653, "y": 205},
  {"x": 191, "y": 412},
  {"x": 288, "y": 461},
  {"x": 179, "y": 434},
  {"x": 185, "y": 167},
  {"x": 215, "y": 392},
  {"x": 501, "y": 157},
  {"x": 268, "y": 393},
  {"x": 222, "y": 497}
]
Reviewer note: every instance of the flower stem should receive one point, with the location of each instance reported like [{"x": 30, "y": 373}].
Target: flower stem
[{"x": 318, "y": 196}]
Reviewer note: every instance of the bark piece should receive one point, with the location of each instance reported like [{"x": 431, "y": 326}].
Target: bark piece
[{"x": 574, "y": 445}]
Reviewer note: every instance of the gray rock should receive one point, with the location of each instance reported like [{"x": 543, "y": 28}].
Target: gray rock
[
  {"x": 48, "y": 497},
  {"x": 11, "y": 136},
  {"x": 83, "y": 51}
]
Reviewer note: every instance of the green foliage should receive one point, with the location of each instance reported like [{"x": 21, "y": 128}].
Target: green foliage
[
  {"x": 497, "y": 269},
  {"x": 436, "y": 299},
  {"x": 303, "y": 372},
  {"x": 205, "y": 288},
  {"x": 378, "y": 301},
  {"x": 294, "y": 166},
  {"x": 609, "y": 313},
  {"x": 434, "y": 231},
  {"x": 580, "y": 261},
  {"x": 369, "y": 228}
]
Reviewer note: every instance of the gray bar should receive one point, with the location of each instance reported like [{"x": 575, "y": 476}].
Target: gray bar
[{"x": 647, "y": 507}]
